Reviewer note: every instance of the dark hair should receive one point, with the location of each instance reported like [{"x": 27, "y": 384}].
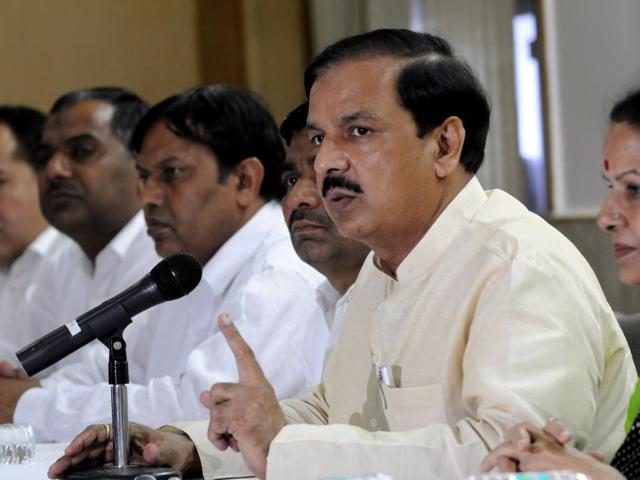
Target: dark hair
[
  {"x": 26, "y": 125},
  {"x": 128, "y": 107},
  {"x": 627, "y": 109},
  {"x": 433, "y": 85},
  {"x": 295, "y": 121},
  {"x": 232, "y": 122}
]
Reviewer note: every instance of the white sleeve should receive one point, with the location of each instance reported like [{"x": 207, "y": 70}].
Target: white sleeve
[{"x": 276, "y": 314}]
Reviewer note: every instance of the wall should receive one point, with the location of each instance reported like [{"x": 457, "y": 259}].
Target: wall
[
  {"x": 49, "y": 47},
  {"x": 591, "y": 58},
  {"x": 155, "y": 47},
  {"x": 260, "y": 44}
]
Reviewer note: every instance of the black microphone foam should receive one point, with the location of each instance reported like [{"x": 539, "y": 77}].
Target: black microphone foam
[{"x": 176, "y": 276}]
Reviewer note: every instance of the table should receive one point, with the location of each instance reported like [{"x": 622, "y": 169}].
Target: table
[{"x": 46, "y": 454}]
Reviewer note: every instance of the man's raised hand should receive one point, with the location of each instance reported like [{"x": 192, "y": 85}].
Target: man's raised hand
[{"x": 245, "y": 416}]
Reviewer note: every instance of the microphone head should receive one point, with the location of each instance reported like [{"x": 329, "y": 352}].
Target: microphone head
[{"x": 176, "y": 275}]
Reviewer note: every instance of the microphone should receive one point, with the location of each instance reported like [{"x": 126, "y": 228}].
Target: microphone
[{"x": 172, "y": 278}]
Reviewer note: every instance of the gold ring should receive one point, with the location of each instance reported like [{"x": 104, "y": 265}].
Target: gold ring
[{"x": 108, "y": 429}]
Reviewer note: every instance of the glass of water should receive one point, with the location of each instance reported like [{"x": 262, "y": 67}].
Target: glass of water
[{"x": 17, "y": 444}]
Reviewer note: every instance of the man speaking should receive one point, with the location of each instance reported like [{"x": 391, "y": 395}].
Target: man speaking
[{"x": 472, "y": 315}]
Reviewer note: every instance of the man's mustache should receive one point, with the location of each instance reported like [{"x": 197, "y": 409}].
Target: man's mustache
[
  {"x": 311, "y": 216},
  {"x": 64, "y": 186},
  {"x": 335, "y": 181}
]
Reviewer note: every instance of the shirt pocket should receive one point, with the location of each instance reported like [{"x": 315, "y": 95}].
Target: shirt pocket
[{"x": 408, "y": 408}]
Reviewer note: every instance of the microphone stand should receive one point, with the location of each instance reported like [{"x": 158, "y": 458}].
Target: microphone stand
[{"x": 118, "y": 379}]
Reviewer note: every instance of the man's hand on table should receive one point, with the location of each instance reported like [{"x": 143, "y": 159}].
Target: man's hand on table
[
  {"x": 245, "y": 416},
  {"x": 94, "y": 447}
]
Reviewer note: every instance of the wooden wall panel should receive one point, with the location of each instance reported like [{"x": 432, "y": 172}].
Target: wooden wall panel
[{"x": 259, "y": 44}]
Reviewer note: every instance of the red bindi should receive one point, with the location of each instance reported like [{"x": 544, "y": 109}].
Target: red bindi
[{"x": 606, "y": 165}]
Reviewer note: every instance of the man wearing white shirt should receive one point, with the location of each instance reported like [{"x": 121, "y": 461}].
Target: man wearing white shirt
[
  {"x": 87, "y": 183},
  {"x": 209, "y": 163},
  {"x": 27, "y": 243}
]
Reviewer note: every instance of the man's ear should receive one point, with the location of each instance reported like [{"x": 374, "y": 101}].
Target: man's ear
[
  {"x": 249, "y": 174},
  {"x": 450, "y": 137}
]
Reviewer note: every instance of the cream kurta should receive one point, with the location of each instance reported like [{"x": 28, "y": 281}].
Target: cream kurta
[{"x": 494, "y": 318}]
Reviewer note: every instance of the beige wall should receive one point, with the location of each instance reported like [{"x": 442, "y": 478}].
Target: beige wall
[
  {"x": 260, "y": 44},
  {"x": 49, "y": 47},
  {"x": 155, "y": 47}
]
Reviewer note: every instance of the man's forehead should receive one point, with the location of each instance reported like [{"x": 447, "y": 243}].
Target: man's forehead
[
  {"x": 81, "y": 117},
  {"x": 351, "y": 88},
  {"x": 8, "y": 144},
  {"x": 6, "y": 136},
  {"x": 161, "y": 146}
]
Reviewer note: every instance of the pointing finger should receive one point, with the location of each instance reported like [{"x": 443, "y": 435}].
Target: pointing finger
[{"x": 249, "y": 370}]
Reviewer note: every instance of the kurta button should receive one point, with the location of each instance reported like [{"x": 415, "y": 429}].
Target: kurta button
[{"x": 373, "y": 422}]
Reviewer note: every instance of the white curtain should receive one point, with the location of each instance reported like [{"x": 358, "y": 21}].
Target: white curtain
[{"x": 480, "y": 32}]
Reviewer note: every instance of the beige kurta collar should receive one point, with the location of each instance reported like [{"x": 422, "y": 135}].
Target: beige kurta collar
[{"x": 424, "y": 256}]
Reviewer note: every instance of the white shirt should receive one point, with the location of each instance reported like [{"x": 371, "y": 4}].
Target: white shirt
[
  {"x": 178, "y": 351},
  {"x": 17, "y": 289},
  {"x": 334, "y": 307},
  {"x": 71, "y": 285}
]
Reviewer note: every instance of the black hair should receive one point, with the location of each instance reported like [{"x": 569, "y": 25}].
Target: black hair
[
  {"x": 433, "y": 85},
  {"x": 232, "y": 122},
  {"x": 627, "y": 109},
  {"x": 435, "y": 89},
  {"x": 128, "y": 107},
  {"x": 26, "y": 125},
  {"x": 295, "y": 121}
]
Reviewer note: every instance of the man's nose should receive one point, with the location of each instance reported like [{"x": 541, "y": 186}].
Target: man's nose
[
  {"x": 58, "y": 166},
  {"x": 330, "y": 157},
  {"x": 304, "y": 193},
  {"x": 151, "y": 192}
]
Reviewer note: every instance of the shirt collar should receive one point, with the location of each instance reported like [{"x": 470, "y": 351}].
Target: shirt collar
[
  {"x": 38, "y": 248},
  {"x": 124, "y": 238},
  {"x": 227, "y": 262},
  {"x": 327, "y": 296},
  {"x": 117, "y": 247},
  {"x": 43, "y": 242},
  {"x": 422, "y": 259}
]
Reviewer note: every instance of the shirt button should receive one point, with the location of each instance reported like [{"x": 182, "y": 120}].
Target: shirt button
[{"x": 373, "y": 422}]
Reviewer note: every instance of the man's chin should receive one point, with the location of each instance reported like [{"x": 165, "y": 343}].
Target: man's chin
[
  {"x": 166, "y": 248},
  {"x": 69, "y": 221},
  {"x": 313, "y": 252}
]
